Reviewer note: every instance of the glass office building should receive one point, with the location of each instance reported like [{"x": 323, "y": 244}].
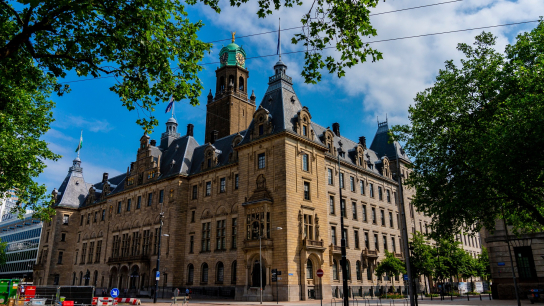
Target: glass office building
[{"x": 23, "y": 239}]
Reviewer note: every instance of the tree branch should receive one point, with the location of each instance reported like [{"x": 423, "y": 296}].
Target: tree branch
[{"x": 4, "y": 4}]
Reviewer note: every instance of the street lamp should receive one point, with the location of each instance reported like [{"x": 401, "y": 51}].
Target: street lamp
[
  {"x": 343, "y": 262},
  {"x": 258, "y": 230},
  {"x": 161, "y": 216}
]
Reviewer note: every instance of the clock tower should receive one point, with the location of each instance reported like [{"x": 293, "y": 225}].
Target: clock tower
[{"x": 230, "y": 110}]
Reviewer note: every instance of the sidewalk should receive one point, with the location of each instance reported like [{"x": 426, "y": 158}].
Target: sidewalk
[{"x": 426, "y": 302}]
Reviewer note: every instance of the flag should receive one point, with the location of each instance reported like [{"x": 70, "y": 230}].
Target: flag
[
  {"x": 278, "y": 51},
  {"x": 169, "y": 106},
  {"x": 80, "y": 145}
]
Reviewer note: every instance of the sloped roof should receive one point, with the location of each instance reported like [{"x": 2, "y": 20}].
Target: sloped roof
[
  {"x": 380, "y": 144},
  {"x": 224, "y": 145}
]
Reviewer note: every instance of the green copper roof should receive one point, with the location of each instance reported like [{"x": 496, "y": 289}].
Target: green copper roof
[{"x": 230, "y": 58}]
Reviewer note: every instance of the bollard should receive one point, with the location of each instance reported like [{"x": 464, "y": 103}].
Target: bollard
[
  {"x": 468, "y": 297},
  {"x": 480, "y": 296}
]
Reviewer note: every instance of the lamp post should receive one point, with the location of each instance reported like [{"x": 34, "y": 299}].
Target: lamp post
[
  {"x": 161, "y": 216},
  {"x": 404, "y": 229},
  {"x": 343, "y": 262},
  {"x": 261, "y": 258}
]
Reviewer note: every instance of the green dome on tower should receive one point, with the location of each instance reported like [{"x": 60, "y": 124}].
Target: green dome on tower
[{"x": 232, "y": 55}]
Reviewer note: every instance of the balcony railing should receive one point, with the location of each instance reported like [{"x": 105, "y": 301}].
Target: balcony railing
[
  {"x": 370, "y": 253},
  {"x": 265, "y": 243},
  {"x": 128, "y": 259}
]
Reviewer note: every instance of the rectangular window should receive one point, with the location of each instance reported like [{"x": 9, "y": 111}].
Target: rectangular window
[
  {"x": 192, "y": 216},
  {"x": 354, "y": 210},
  {"x": 304, "y": 130},
  {"x": 206, "y": 228},
  {"x": 261, "y": 161},
  {"x": 380, "y": 194},
  {"x": 395, "y": 197},
  {"x": 341, "y": 177},
  {"x": 208, "y": 189},
  {"x": 221, "y": 235},
  {"x": 388, "y": 194},
  {"x": 81, "y": 222},
  {"x": 331, "y": 205},
  {"x": 371, "y": 189},
  {"x": 385, "y": 242},
  {"x": 222, "y": 185},
  {"x": 333, "y": 235},
  {"x": 329, "y": 176},
  {"x": 65, "y": 219},
  {"x": 376, "y": 245},
  {"x": 362, "y": 187},
  {"x": 155, "y": 242},
  {"x": 343, "y": 208},
  {"x": 195, "y": 192},
  {"x": 161, "y": 196},
  {"x": 98, "y": 250},
  {"x": 149, "y": 199},
  {"x": 364, "y": 213},
  {"x": 83, "y": 253},
  {"x": 306, "y": 190},
  {"x": 119, "y": 205},
  {"x": 345, "y": 236},
  {"x": 88, "y": 218},
  {"x": 305, "y": 165},
  {"x": 63, "y": 237},
  {"x": 103, "y": 214},
  {"x": 95, "y": 217},
  {"x": 525, "y": 262},
  {"x": 373, "y": 215},
  {"x": 382, "y": 216},
  {"x": 129, "y": 203},
  {"x": 261, "y": 129},
  {"x": 236, "y": 181},
  {"x": 356, "y": 238},
  {"x": 191, "y": 244},
  {"x": 234, "y": 233},
  {"x": 308, "y": 227},
  {"x": 139, "y": 203},
  {"x": 60, "y": 258},
  {"x": 146, "y": 242},
  {"x": 393, "y": 246},
  {"x": 352, "y": 183},
  {"x": 391, "y": 219},
  {"x": 367, "y": 243},
  {"x": 398, "y": 221}
]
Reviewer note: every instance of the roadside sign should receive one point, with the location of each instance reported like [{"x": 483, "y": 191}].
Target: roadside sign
[
  {"x": 319, "y": 273},
  {"x": 405, "y": 277},
  {"x": 500, "y": 263},
  {"x": 114, "y": 292},
  {"x": 157, "y": 275}
]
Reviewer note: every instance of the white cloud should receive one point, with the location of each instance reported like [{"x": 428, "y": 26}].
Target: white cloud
[
  {"x": 409, "y": 66},
  {"x": 89, "y": 124}
]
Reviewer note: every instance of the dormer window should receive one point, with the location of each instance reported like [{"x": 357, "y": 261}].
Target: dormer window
[
  {"x": 304, "y": 130},
  {"x": 261, "y": 129}
]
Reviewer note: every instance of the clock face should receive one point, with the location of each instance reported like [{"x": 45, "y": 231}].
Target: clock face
[
  {"x": 224, "y": 58},
  {"x": 240, "y": 58}
]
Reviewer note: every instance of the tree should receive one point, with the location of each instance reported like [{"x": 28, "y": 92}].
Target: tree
[
  {"x": 3, "y": 248},
  {"x": 150, "y": 47},
  {"x": 390, "y": 265},
  {"x": 482, "y": 267},
  {"x": 423, "y": 257},
  {"x": 475, "y": 138}
]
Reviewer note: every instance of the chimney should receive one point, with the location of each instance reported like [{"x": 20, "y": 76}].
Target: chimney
[
  {"x": 336, "y": 128},
  {"x": 190, "y": 129},
  {"x": 153, "y": 142},
  {"x": 362, "y": 141},
  {"x": 104, "y": 177},
  {"x": 215, "y": 133}
]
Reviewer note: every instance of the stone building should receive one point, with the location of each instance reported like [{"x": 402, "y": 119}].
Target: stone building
[{"x": 266, "y": 171}]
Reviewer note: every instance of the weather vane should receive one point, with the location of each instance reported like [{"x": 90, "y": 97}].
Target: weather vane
[{"x": 233, "y": 33}]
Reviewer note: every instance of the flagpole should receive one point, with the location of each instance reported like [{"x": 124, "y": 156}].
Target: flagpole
[{"x": 279, "y": 37}]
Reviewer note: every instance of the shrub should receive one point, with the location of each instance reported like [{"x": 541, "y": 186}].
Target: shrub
[{"x": 392, "y": 296}]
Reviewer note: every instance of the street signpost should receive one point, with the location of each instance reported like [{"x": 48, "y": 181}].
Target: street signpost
[
  {"x": 319, "y": 274},
  {"x": 114, "y": 292},
  {"x": 157, "y": 275},
  {"x": 275, "y": 273}
]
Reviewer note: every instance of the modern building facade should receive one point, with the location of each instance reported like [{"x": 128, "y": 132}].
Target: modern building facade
[
  {"x": 23, "y": 239},
  {"x": 266, "y": 176}
]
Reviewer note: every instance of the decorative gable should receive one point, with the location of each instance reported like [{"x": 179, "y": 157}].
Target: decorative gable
[
  {"x": 262, "y": 123},
  {"x": 211, "y": 157},
  {"x": 303, "y": 127}
]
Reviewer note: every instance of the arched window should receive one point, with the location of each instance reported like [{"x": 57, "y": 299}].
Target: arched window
[
  {"x": 369, "y": 273},
  {"x": 190, "y": 274},
  {"x": 309, "y": 270},
  {"x": 220, "y": 272},
  {"x": 334, "y": 269},
  {"x": 222, "y": 84},
  {"x": 95, "y": 281},
  {"x": 233, "y": 273},
  {"x": 241, "y": 83},
  {"x": 231, "y": 81},
  {"x": 204, "y": 275},
  {"x": 358, "y": 270},
  {"x": 80, "y": 277},
  {"x": 74, "y": 279}
]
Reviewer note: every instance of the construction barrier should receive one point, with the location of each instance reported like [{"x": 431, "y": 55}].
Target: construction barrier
[{"x": 131, "y": 301}]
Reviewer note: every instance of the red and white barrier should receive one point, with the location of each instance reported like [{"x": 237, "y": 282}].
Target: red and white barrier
[
  {"x": 104, "y": 301},
  {"x": 131, "y": 301}
]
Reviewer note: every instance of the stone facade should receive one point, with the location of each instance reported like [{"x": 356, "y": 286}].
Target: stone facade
[{"x": 271, "y": 173}]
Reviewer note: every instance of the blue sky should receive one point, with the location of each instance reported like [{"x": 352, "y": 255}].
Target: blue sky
[{"x": 368, "y": 90}]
